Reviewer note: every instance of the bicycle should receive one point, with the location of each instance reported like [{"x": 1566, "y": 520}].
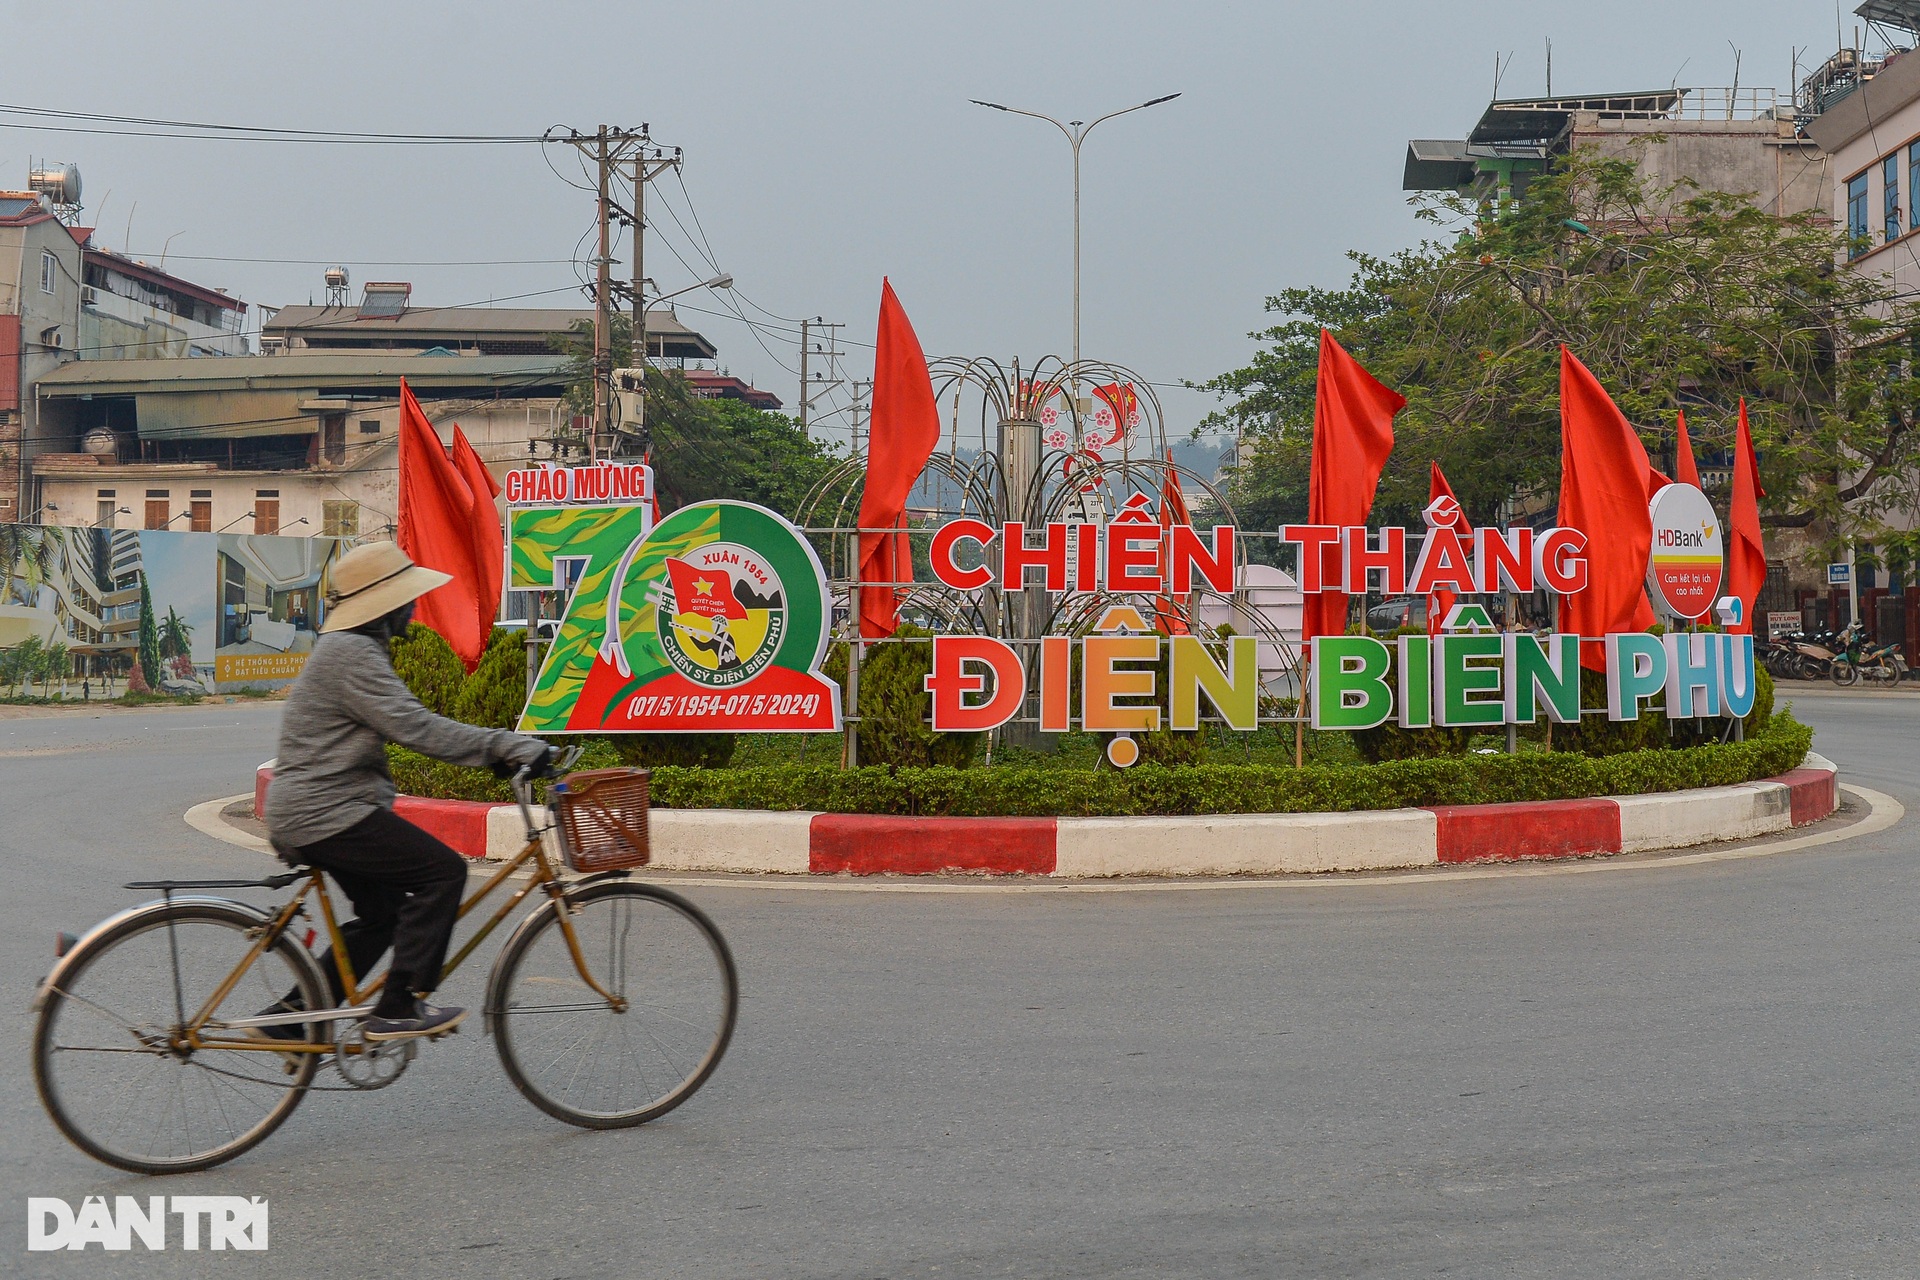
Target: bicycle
[{"x": 610, "y": 1004}]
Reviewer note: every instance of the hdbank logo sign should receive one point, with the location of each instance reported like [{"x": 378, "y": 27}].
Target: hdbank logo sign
[
  {"x": 223, "y": 1222},
  {"x": 1683, "y": 568}
]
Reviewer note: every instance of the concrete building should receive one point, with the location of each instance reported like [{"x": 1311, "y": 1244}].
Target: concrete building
[
  {"x": 1873, "y": 136},
  {"x": 303, "y": 444},
  {"x": 387, "y": 320},
  {"x": 132, "y": 311},
  {"x": 40, "y": 284},
  {"x": 1744, "y": 141}
]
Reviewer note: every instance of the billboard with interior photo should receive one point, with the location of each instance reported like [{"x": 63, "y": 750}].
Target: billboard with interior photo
[
  {"x": 96, "y": 612},
  {"x": 271, "y": 601}
]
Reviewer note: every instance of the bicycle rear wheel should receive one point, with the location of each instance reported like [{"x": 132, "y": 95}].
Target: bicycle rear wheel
[
  {"x": 109, "y": 1056},
  {"x": 583, "y": 1060}
]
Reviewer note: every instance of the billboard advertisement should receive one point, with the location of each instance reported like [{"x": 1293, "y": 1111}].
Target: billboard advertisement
[{"x": 192, "y": 612}]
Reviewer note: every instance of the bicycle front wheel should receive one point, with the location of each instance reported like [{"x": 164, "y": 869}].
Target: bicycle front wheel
[
  {"x": 114, "y": 1065},
  {"x": 610, "y": 1064}
]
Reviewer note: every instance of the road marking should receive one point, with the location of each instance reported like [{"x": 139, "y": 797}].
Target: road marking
[
  {"x": 1883, "y": 812},
  {"x": 205, "y": 818}
]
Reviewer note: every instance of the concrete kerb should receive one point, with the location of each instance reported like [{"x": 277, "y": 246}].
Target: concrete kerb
[{"x": 793, "y": 843}]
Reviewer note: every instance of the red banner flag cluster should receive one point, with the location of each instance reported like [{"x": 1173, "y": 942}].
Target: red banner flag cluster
[
  {"x": 448, "y": 521},
  {"x": 902, "y": 433}
]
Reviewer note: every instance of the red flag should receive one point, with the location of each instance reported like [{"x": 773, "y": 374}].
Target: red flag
[
  {"x": 1440, "y": 603},
  {"x": 1603, "y": 493},
  {"x": 706, "y": 593},
  {"x": 1684, "y": 469},
  {"x": 1352, "y": 436},
  {"x": 1173, "y": 510},
  {"x": 1746, "y": 553},
  {"x": 902, "y": 433},
  {"x": 489, "y": 540},
  {"x": 436, "y": 530}
]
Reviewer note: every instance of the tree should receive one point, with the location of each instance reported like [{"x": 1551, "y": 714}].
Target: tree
[
  {"x": 176, "y": 636},
  {"x": 705, "y": 448},
  {"x": 21, "y": 664},
  {"x": 1676, "y": 298},
  {"x": 53, "y": 665},
  {"x": 150, "y": 667}
]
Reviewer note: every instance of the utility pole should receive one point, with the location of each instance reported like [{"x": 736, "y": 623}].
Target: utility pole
[
  {"x": 861, "y": 409},
  {"x": 648, "y": 163},
  {"x": 602, "y": 297},
  {"x": 811, "y": 389},
  {"x": 609, "y": 148}
]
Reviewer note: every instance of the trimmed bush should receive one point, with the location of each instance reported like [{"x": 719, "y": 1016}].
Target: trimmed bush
[
  {"x": 495, "y": 693},
  {"x": 1155, "y": 789},
  {"x": 895, "y": 707},
  {"x": 675, "y": 750},
  {"x": 426, "y": 662}
]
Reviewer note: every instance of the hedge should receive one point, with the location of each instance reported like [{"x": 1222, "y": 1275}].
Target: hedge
[{"x": 1155, "y": 789}]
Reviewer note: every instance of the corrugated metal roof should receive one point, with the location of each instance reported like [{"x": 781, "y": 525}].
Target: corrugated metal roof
[
  {"x": 374, "y": 371},
  {"x": 430, "y": 325}
]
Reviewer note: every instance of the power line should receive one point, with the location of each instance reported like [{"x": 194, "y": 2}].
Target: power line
[
  {"x": 147, "y": 126},
  {"x": 369, "y": 262}
]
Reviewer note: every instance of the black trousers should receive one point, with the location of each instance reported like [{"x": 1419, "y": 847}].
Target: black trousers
[{"x": 405, "y": 887}]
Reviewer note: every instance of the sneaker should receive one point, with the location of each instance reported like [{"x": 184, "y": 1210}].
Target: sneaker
[{"x": 426, "y": 1020}]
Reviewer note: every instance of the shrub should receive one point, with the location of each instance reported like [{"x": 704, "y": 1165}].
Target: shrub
[
  {"x": 496, "y": 693},
  {"x": 1390, "y": 742},
  {"x": 675, "y": 750},
  {"x": 895, "y": 706},
  {"x": 427, "y": 663},
  {"x": 1155, "y": 789}
]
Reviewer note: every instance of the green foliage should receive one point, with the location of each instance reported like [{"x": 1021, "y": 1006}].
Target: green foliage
[
  {"x": 428, "y": 666},
  {"x": 1675, "y": 297},
  {"x": 680, "y": 750},
  {"x": 493, "y": 696},
  {"x": 176, "y": 636},
  {"x": 705, "y": 448},
  {"x": 1390, "y": 742},
  {"x": 496, "y": 692},
  {"x": 150, "y": 665},
  {"x": 895, "y": 707},
  {"x": 1156, "y": 789}
]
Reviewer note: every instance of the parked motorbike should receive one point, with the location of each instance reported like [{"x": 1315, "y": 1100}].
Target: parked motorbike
[
  {"x": 1804, "y": 655},
  {"x": 1883, "y": 665},
  {"x": 1843, "y": 668}
]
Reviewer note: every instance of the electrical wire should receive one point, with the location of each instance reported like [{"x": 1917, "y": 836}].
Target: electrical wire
[{"x": 146, "y": 126}]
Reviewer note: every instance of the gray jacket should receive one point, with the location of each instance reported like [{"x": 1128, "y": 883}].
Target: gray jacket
[{"x": 346, "y": 706}]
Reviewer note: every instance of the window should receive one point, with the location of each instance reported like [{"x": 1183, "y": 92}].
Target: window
[
  {"x": 1913, "y": 185},
  {"x": 103, "y": 513},
  {"x": 266, "y": 511},
  {"x": 340, "y": 519},
  {"x": 157, "y": 513},
  {"x": 49, "y": 271},
  {"x": 1890, "y": 195},
  {"x": 1857, "y": 216},
  {"x": 200, "y": 515},
  {"x": 333, "y": 439},
  {"x": 369, "y": 426}
]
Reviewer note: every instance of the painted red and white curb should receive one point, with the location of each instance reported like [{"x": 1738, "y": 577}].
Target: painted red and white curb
[{"x": 763, "y": 841}]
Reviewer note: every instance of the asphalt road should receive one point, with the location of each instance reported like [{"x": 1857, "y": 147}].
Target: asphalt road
[{"x": 1678, "y": 1071}]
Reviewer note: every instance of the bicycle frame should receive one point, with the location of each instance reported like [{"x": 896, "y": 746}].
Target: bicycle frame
[{"x": 543, "y": 876}]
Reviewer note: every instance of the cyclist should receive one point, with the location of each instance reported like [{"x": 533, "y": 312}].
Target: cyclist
[{"x": 331, "y": 801}]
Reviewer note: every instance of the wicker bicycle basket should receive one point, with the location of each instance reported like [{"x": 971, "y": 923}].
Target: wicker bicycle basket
[{"x": 603, "y": 818}]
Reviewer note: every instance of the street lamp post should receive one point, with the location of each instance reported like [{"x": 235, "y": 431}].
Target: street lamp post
[{"x": 1075, "y": 133}]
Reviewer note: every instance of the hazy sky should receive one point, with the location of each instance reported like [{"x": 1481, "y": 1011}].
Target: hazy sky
[{"x": 828, "y": 144}]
